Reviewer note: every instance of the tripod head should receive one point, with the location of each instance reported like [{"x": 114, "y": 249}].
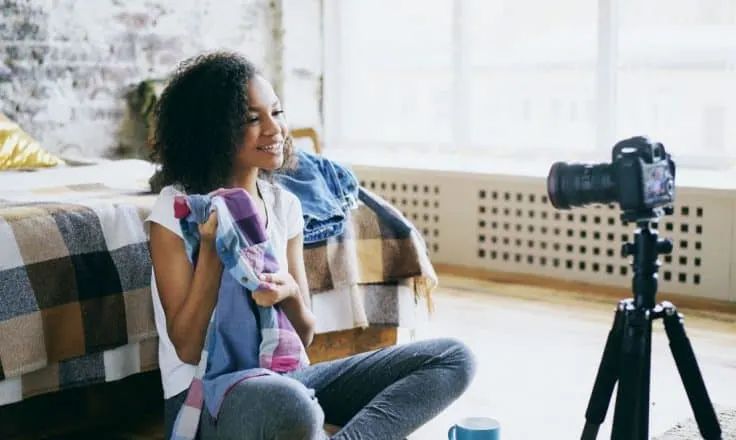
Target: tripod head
[
  {"x": 646, "y": 248},
  {"x": 641, "y": 179}
]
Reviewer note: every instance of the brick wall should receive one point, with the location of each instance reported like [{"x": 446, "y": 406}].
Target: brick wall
[{"x": 66, "y": 63}]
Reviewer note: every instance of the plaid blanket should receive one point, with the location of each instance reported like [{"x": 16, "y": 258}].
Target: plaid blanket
[
  {"x": 75, "y": 273},
  {"x": 387, "y": 304},
  {"x": 379, "y": 245},
  {"x": 91, "y": 369},
  {"x": 74, "y": 277}
]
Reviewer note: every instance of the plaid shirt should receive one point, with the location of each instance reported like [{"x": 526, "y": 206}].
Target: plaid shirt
[{"x": 245, "y": 251}]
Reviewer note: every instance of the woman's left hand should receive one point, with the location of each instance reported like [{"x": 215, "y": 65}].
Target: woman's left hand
[{"x": 275, "y": 287}]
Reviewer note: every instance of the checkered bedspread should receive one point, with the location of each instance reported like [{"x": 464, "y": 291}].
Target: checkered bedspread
[{"x": 75, "y": 306}]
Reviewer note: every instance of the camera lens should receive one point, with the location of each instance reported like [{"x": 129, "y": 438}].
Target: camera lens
[{"x": 570, "y": 185}]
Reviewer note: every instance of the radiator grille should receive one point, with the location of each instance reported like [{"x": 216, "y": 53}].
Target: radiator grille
[
  {"x": 507, "y": 224},
  {"x": 517, "y": 228}
]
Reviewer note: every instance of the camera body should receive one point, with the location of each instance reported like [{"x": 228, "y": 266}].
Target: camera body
[
  {"x": 645, "y": 173},
  {"x": 640, "y": 179}
]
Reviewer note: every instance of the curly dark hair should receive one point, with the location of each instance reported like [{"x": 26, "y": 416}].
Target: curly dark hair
[{"x": 200, "y": 121}]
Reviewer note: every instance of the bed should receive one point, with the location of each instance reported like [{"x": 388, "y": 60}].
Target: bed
[{"x": 75, "y": 305}]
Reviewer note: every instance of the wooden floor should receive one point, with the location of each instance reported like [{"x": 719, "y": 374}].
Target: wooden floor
[{"x": 538, "y": 352}]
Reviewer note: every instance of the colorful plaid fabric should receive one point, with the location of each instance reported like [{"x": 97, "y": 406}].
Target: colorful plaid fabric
[{"x": 243, "y": 246}]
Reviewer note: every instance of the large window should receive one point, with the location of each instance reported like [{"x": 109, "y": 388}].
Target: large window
[{"x": 556, "y": 80}]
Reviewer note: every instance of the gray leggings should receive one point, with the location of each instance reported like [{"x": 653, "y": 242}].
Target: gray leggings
[{"x": 384, "y": 394}]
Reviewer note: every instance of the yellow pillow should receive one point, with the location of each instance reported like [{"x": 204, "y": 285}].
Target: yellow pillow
[{"x": 19, "y": 150}]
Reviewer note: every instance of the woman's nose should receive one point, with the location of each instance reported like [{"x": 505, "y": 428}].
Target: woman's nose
[{"x": 270, "y": 126}]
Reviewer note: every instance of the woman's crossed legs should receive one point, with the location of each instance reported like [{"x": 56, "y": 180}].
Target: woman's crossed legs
[{"x": 384, "y": 394}]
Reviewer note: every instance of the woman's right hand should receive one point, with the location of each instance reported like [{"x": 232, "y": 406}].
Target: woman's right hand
[{"x": 208, "y": 230}]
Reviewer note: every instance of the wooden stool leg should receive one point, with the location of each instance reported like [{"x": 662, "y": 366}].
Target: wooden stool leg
[{"x": 337, "y": 345}]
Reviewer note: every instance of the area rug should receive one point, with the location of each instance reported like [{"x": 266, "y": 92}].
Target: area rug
[{"x": 688, "y": 429}]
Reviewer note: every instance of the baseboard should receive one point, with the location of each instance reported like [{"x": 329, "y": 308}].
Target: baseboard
[{"x": 592, "y": 291}]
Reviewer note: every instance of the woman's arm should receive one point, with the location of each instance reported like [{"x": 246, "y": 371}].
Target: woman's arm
[
  {"x": 298, "y": 306},
  {"x": 188, "y": 296}
]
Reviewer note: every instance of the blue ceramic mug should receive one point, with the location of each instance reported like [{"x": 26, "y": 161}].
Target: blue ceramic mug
[{"x": 475, "y": 428}]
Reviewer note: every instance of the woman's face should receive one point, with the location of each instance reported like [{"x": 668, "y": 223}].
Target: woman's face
[{"x": 265, "y": 128}]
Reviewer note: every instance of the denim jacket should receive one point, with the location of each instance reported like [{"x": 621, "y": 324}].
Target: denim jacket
[{"x": 327, "y": 191}]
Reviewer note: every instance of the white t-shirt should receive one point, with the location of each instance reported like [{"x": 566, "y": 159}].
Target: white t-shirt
[{"x": 285, "y": 221}]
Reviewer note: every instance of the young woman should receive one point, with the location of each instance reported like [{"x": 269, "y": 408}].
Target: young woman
[{"x": 220, "y": 124}]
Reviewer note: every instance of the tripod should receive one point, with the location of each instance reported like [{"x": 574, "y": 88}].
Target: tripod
[{"x": 627, "y": 353}]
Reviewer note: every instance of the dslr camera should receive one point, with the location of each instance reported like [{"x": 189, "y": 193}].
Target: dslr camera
[{"x": 640, "y": 179}]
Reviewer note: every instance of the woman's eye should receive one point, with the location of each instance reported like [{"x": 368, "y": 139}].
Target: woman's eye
[{"x": 252, "y": 119}]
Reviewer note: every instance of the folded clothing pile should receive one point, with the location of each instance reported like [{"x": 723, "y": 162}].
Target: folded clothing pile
[{"x": 327, "y": 191}]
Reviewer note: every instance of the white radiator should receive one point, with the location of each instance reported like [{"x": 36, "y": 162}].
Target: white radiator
[{"x": 506, "y": 224}]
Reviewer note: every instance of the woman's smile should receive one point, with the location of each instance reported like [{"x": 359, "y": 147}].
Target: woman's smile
[{"x": 275, "y": 148}]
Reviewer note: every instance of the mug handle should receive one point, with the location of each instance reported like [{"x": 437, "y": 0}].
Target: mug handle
[{"x": 451, "y": 432}]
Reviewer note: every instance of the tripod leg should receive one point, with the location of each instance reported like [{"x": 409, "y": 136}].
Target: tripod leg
[
  {"x": 630, "y": 419},
  {"x": 645, "y": 379},
  {"x": 605, "y": 380},
  {"x": 690, "y": 375}
]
